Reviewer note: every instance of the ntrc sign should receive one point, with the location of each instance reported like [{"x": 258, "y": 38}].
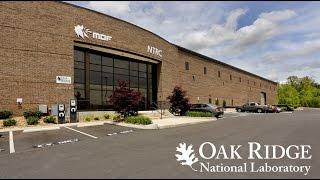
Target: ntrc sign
[{"x": 154, "y": 51}]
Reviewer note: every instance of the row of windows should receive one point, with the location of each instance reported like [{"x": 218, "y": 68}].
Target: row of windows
[
  {"x": 98, "y": 61},
  {"x": 219, "y": 75}
]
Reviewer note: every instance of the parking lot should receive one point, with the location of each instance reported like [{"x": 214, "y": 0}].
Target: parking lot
[
  {"x": 110, "y": 151},
  {"x": 33, "y": 141},
  {"x": 41, "y": 140}
]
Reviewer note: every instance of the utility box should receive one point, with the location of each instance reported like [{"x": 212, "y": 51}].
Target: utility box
[
  {"x": 54, "y": 110},
  {"x": 43, "y": 108}
]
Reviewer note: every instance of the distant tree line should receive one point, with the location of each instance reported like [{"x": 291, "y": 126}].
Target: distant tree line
[{"x": 299, "y": 92}]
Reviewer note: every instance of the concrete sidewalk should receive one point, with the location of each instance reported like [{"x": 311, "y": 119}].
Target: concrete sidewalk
[
  {"x": 167, "y": 122},
  {"x": 181, "y": 121},
  {"x": 156, "y": 124}
]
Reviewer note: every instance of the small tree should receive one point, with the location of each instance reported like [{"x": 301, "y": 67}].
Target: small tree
[
  {"x": 217, "y": 102},
  {"x": 224, "y": 103},
  {"x": 124, "y": 99},
  {"x": 178, "y": 100}
]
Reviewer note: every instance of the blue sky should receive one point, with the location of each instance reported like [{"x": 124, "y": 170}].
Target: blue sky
[{"x": 271, "y": 39}]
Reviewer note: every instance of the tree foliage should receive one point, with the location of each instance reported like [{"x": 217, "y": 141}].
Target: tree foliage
[
  {"x": 299, "y": 92},
  {"x": 178, "y": 100},
  {"x": 125, "y": 99}
]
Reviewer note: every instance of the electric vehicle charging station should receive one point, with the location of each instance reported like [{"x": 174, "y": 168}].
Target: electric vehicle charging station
[
  {"x": 61, "y": 114},
  {"x": 73, "y": 111}
]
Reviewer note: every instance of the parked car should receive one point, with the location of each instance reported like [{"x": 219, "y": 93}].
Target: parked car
[
  {"x": 175, "y": 111},
  {"x": 254, "y": 107},
  {"x": 216, "y": 110},
  {"x": 284, "y": 107},
  {"x": 274, "y": 109}
]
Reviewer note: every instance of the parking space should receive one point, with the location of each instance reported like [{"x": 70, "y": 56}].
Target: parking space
[
  {"x": 241, "y": 114},
  {"x": 30, "y": 141},
  {"x": 105, "y": 130},
  {"x": 4, "y": 143}
]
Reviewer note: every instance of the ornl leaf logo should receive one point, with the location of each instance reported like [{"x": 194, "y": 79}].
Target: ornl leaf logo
[
  {"x": 81, "y": 31},
  {"x": 187, "y": 156}
]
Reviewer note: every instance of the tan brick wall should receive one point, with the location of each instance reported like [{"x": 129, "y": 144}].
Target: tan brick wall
[{"x": 37, "y": 41}]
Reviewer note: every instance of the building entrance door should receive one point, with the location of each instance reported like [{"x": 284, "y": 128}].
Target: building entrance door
[{"x": 263, "y": 98}]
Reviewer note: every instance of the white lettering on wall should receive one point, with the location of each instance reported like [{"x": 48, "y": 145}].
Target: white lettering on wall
[
  {"x": 83, "y": 32},
  {"x": 154, "y": 51}
]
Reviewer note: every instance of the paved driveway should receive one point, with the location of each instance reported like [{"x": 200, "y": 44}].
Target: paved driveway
[{"x": 151, "y": 153}]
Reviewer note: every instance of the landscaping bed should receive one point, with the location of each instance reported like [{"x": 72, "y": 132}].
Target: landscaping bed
[
  {"x": 199, "y": 114},
  {"x": 21, "y": 122}
]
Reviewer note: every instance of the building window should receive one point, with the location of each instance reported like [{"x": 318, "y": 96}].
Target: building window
[
  {"x": 205, "y": 70},
  {"x": 193, "y": 77},
  {"x": 210, "y": 101},
  {"x": 104, "y": 71},
  {"x": 187, "y": 65},
  {"x": 239, "y": 79},
  {"x": 219, "y": 74},
  {"x": 230, "y": 77},
  {"x": 260, "y": 84},
  {"x": 79, "y": 75}
]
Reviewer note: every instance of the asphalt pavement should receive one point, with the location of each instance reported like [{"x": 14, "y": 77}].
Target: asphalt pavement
[{"x": 111, "y": 151}]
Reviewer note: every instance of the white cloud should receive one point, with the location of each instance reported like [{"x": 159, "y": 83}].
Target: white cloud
[
  {"x": 110, "y": 7},
  {"x": 217, "y": 34},
  {"x": 265, "y": 27},
  {"x": 301, "y": 50}
]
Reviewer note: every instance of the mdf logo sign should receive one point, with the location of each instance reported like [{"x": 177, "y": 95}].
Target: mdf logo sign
[{"x": 83, "y": 32}]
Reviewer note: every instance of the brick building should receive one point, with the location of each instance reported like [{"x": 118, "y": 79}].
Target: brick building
[{"x": 52, "y": 52}]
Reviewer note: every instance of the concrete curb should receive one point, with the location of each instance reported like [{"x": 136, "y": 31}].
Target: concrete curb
[
  {"x": 40, "y": 129},
  {"x": 150, "y": 126},
  {"x": 90, "y": 124},
  {"x": 184, "y": 124}
]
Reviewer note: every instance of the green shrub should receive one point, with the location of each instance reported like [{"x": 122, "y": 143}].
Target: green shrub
[
  {"x": 138, "y": 120},
  {"x": 87, "y": 119},
  {"x": 38, "y": 114},
  {"x": 9, "y": 122},
  {"x": 199, "y": 114},
  {"x": 27, "y": 114},
  {"x": 4, "y": 114},
  {"x": 30, "y": 113},
  {"x": 49, "y": 119},
  {"x": 96, "y": 118},
  {"x": 116, "y": 117},
  {"x": 32, "y": 120},
  {"x": 107, "y": 116}
]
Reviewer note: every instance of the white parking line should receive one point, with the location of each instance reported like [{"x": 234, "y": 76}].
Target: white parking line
[
  {"x": 11, "y": 144},
  {"x": 285, "y": 112},
  {"x": 81, "y": 132}
]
